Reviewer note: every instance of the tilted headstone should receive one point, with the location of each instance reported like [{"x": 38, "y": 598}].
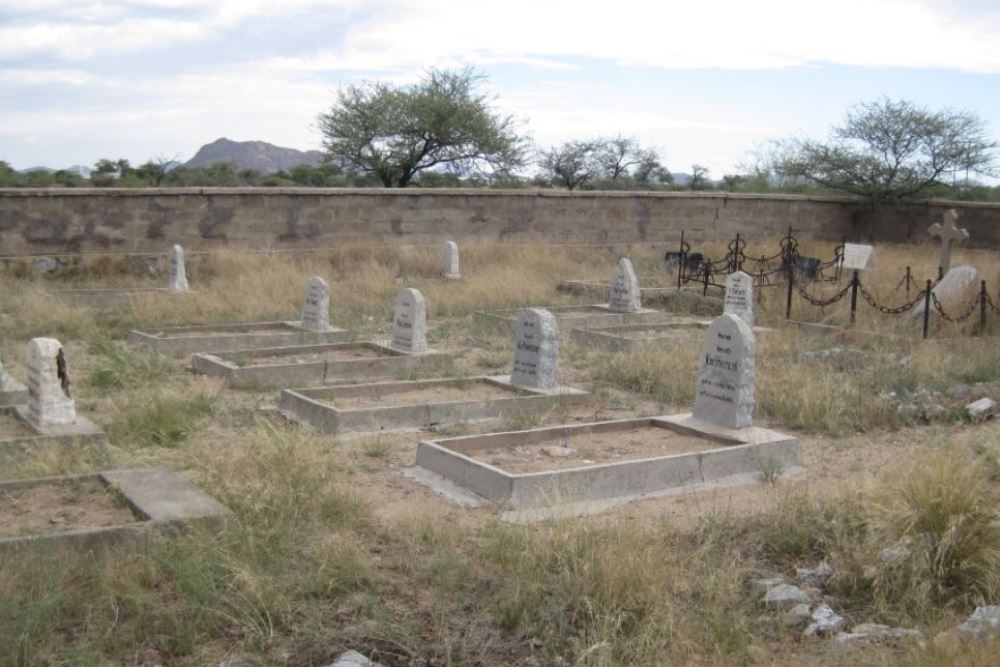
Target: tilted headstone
[
  {"x": 449, "y": 260},
  {"x": 948, "y": 233},
  {"x": 536, "y": 350},
  {"x": 955, "y": 291},
  {"x": 409, "y": 322},
  {"x": 625, "y": 295},
  {"x": 858, "y": 257},
  {"x": 178, "y": 275},
  {"x": 739, "y": 296},
  {"x": 725, "y": 392},
  {"x": 316, "y": 307},
  {"x": 50, "y": 398}
]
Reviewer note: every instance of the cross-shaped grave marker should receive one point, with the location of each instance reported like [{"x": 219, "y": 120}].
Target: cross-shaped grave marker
[{"x": 948, "y": 233}]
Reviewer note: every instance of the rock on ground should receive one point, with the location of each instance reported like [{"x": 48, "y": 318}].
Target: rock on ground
[
  {"x": 984, "y": 622},
  {"x": 875, "y": 632},
  {"x": 825, "y": 622},
  {"x": 784, "y": 596},
  {"x": 354, "y": 659},
  {"x": 814, "y": 576},
  {"x": 981, "y": 409}
]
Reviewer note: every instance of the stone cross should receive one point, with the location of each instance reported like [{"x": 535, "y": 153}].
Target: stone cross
[
  {"x": 316, "y": 307},
  {"x": 625, "y": 295},
  {"x": 948, "y": 233},
  {"x": 739, "y": 296},
  {"x": 50, "y": 399},
  {"x": 178, "y": 276},
  {"x": 409, "y": 322},
  {"x": 725, "y": 392},
  {"x": 536, "y": 350},
  {"x": 449, "y": 261}
]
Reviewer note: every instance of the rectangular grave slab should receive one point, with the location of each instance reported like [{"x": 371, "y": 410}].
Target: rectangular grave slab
[
  {"x": 577, "y": 317},
  {"x": 417, "y": 404},
  {"x": 544, "y": 472},
  {"x": 304, "y": 365},
  {"x": 601, "y": 290},
  {"x": 20, "y": 437},
  {"x": 181, "y": 341},
  {"x": 12, "y": 392},
  {"x": 106, "y": 297},
  {"x": 125, "y": 505}
]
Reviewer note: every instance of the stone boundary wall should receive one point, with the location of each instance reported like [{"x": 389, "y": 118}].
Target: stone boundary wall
[{"x": 51, "y": 221}]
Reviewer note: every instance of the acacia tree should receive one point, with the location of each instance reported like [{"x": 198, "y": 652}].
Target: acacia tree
[
  {"x": 623, "y": 157},
  {"x": 613, "y": 161},
  {"x": 571, "y": 164},
  {"x": 889, "y": 150},
  {"x": 444, "y": 121}
]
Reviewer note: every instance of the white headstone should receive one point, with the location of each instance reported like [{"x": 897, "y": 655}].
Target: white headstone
[
  {"x": 3, "y": 374},
  {"x": 725, "y": 392},
  {"x": 409, "y": 322},
  {"x": 178, "y": 275},
  {"x": 739, "y": 296},
  {"x": 316, "y": 307},
  {"x": 50, "y": 400},
  {"x": 949, "y": 233},
  {"x": 858, "y": 257},
  {"x": 955, "y": 291},
  {"x": 449, "y": 260},
  {"x": 536, "y": 350},
  {"x": 625, "y": 295}
]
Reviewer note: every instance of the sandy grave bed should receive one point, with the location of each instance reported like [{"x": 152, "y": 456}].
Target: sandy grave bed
[
  {"x": 653, "y": 332},
  {"x": 593, "y": 448},
  {"x": 309, "y": 358},
  {"x": 472, "y": 391},
  {"x": 234, "y": 331},
  {"x": 61, "y": 506}
]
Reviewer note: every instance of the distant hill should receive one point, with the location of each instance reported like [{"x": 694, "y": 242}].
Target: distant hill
[{"x": 257, "y": 155}]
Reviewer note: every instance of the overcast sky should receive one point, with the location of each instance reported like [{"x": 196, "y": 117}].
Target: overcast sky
[{"x": 705, "y": 82}]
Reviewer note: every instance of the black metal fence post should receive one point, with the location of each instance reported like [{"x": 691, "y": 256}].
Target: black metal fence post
[
  {"x": 927, "y": 307},
  {"x": 982, "y": 308},
  {"x": 908, "y": 281},
  {"x": 840, "y": 260},
  {"x": 708, "y": 273},
  {"x": 940, "y": 273},
  {"x": 788, "y": 302},
  {"x": 854, "y": 296},
  {"x": 683, "y": 263}
]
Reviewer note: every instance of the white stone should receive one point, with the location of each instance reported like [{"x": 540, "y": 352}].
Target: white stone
[
  {"x": 813, "y": 575},
  {"x": 178, "y": 274},
  {"x": 449, "y": 261},
  {"x": 764, "y": 585},
  {"x": 409, "y": 322},
  {"x": 625, "y": 294},
  {"x": 316, "y": 306},
  {"x": 955, "y": 291},
  {"x": 50, "y": 397},
  {"x": 724, "y": 394},
  {"x": 354, "y": 659},
  {"x": 536, "y": 350},
  {"x": 981, "y": 409},
  {"x": 858, "y": 257},
  {"x": 948, "y": 233},
  {"x": 825, "y": 622},
  {"x": 984, "y": 622},
  {"x": 739, "y": 297},
  {"x": 876, "y": 632},
  {"x": 796, "y": 616},
  {"x": 785, "y": 596}
]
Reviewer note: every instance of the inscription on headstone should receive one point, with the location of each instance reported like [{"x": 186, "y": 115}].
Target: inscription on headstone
[
  {"x": 724, "y": 394},
  {"x": 625, "y": 295},
  {"x": 536, "y": 350},
  {"x": 50, "y": 397},
  {"x": 858, "y": 257},
  {"x": 739, "y": 296},
  {"x": 178, "y": 275},
  {"x": 949, "y": 233},
  {"x": 316, "y": 307},
  {"x": 449, "y": 261},
  {"x": 409, "y": 322}
]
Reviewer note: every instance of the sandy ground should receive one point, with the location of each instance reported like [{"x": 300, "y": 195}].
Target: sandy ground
[{"x": 54, "y": 508}]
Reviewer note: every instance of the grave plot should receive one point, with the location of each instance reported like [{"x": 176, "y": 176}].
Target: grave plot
[
  {"x": 578, "y": 317},
  {"x": 587, "y": 468},
  {"x": 633, "y": 336},
  {"x": 109, "y": 507},
  {"x": 12, "y": 392},
  {"x": 109, "y": 297}
]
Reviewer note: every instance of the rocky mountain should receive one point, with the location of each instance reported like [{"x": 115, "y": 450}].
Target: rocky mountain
[{"x": 257, "y": 155}]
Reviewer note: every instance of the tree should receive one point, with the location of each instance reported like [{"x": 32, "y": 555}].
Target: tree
[
  {"x": 614, "y": 163},
  {"x": 571, "y": 164},
  {"x": 699, "y": 178},
  {"x": 621, "y": 158},
  {"x": 890, "y": 150},
  {"x": 443, "y": 121},
  {"x": 155, "y": 170}
]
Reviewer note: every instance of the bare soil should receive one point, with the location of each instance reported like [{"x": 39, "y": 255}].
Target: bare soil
[
  {"x": 314, "y": 357},
  {"x": 593, "y": 448},
  {"x": 472, "y": 391},
  {"x": 60, "y": 507},
  {"x": 211, "y": 333}
]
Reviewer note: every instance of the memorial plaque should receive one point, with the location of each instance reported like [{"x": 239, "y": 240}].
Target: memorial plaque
[
  {"x": 725, "y": 392},
  {"x": 858, "y": 257},
  {"x": 536, "y": 350}
]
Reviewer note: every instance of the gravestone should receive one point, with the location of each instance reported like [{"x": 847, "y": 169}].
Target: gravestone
[
  {"x": 625, "y": 295},
  {"x": 955, "y": 292},
  {"x": 316, "y": 307},
  {"x": 449, "y": 261},
  {"x": 50, "y": 398},
  {"x": 536, "y": 350},
  {"x": 739, "y": 296},
  {"x": 409, "y": 322},
  {"x": 178, "y": 275},
  {"x": 858, "y": 257},
  {"x": 724, "y": 394},
  {"x": 948, "y": 233}
]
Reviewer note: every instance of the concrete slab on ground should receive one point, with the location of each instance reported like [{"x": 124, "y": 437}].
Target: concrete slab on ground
[
  {"x": 577, "y": 317},
  {"x": 181, "y": 341},
  {"x": 12, "y": 392},
  {"x": 81, "y": 431}
]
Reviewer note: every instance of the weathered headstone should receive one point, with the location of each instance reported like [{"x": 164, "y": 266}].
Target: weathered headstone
[
  {"x": 948, "y": 233},
  {"x": 858, "y": 257},
  {"x": 725, "y": 392},
  {"x": 409, "y": 322},
  {"x": 625, "y": 295},
  {"x": 449, "y": 261},
  {"x": 739, "y": 296},
  {"x": 316, "y": 307},
  {"x": 955, "y": 291},
  {"x": 178, "y": 275},
  {"x": 50, "y": 398},
  {"x": 536, "y": 350}
]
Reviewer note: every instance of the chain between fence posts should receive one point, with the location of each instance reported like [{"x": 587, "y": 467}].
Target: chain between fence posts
[
  {"x": 982, "y": 308},
  {"x": 927, "y": 307},
  {"x": 788, "y": 303},
  {"x": 854, "y": 296}
]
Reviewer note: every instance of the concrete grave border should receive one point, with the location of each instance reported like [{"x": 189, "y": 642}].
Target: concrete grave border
[
  {"x": 81, "y": 431},
  {"x": 161, "y": 500},
  {"x": 12, "y": 392},
  {"x": 570, "y": 317},
  {"x": 169, "y": 341},
  {"x": 108, "y": 296},
  {"x": 614, "y": 339},
  {"x": 391, "y": 362},
  {"x": 588, "y": 489},
  {"x": 307, "y": 406}
]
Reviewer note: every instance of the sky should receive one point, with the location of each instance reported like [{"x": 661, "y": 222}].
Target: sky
[{"x": 706, "y": 83}]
